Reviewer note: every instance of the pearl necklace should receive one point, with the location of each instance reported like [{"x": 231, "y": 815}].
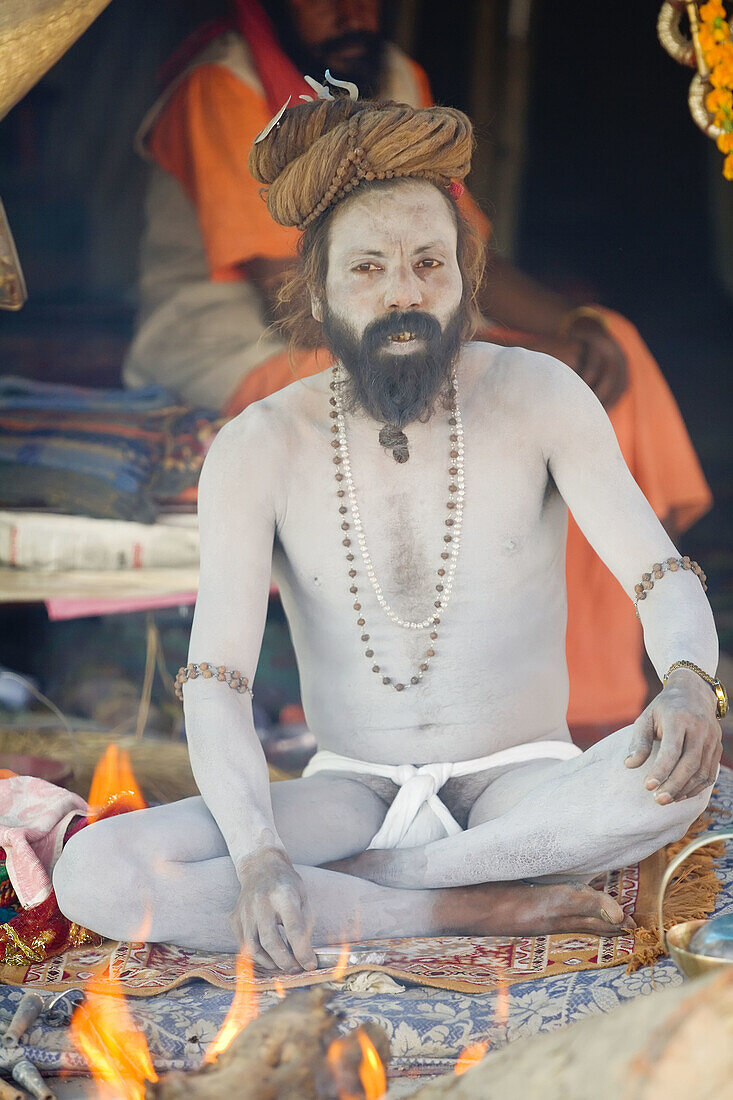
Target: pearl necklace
[{"x": 452, "y": 539}]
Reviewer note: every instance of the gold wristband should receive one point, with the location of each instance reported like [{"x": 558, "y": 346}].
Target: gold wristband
[
  {"x": 568, "y": 319},
  {"x": 720, "y": 693}
]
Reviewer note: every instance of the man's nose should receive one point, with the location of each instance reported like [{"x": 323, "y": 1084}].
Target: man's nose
[{"x": 404, "y": 290}]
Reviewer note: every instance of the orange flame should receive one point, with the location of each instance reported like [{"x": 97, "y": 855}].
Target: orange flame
[
  {"x": 114, "y": 782},
  {"x": 115, "y": 1051},
  {"x": 470, "y": 1057},
  {"x": 334, "y": 1057},
  {"x": 341, "y": 964},
  {"x": 242, "y": 1010},
  {"x": 371, "y": 1070}
]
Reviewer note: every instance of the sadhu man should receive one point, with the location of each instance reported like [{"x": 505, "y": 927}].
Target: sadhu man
[
  {"x": 213, "y": 261},
  {"x": 412, "y": 503}
]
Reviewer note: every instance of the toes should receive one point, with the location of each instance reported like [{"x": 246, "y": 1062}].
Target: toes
[
  {"x": 584, "y": 901},
  {"x": 602, "y": 928},
  {"x": 599, "y": 913},
  {"x": 606, "y": 907}
]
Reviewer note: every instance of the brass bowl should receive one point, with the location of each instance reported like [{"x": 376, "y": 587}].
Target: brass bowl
[
  {"x": 691, "y": 963},
  {"x": 676, "y": 941}
]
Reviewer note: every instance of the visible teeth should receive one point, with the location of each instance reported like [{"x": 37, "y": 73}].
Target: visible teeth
[{"x": 403, "y": 337}]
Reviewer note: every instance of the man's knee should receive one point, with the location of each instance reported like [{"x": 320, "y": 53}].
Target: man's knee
[
  {"x": 658, "y": 825},
  {"x": 674, "y": 817},
  {"x": 71, "y": 877},
  {"x": 624, "y": 821},
  {"x": 681, "y": 815},
  {"x": 91, "y": 877}
]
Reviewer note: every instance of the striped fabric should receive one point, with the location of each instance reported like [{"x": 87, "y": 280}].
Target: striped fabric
[{"x": 111, "y": 454}]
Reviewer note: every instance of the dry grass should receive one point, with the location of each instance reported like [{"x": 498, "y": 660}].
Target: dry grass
[{"x": 161, "y": 767}]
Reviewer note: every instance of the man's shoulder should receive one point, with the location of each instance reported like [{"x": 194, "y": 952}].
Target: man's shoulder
[
  {"x": 276, "y": 420},
  {"x": 228, "y": 51},
  {"x": 516, "y": 369},
  {"x": 246, "y": 459},
  {"x": 297, "y": 402},
  {"x": 222, "y": 71}
]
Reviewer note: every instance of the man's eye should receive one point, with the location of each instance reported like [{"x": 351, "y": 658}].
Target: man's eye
[
  {"x": 366, "y": 266},
  {"x": 429, "y": 262}
]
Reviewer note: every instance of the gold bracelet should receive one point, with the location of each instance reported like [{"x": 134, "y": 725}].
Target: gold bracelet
[
  {"x": 568, "y": 319},
  {"x": 206, "y": 671},
  {"x": 671, "y": 565},
  {"x": 720, "y": 693}
]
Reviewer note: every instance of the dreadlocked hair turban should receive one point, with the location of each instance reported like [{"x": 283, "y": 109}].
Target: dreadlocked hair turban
[{"x": 320, "y": 151}]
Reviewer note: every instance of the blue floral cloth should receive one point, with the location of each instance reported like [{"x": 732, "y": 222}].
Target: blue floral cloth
[{"x": 428, "y": 1028}]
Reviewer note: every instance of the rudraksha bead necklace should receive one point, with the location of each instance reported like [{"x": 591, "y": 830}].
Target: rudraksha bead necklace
[{"x": 451, "y": 540}]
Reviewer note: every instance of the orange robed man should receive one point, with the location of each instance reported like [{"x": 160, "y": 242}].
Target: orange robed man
[{"x": 212, "y": 261}]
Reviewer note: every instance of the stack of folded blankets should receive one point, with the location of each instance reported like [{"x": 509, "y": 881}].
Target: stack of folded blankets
[{"x": 109, "y": 454}]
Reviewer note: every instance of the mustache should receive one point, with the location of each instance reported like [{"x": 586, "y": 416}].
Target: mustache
[
  {"x": 367, "y": 40},
  {"x": 423, "y": 325}
]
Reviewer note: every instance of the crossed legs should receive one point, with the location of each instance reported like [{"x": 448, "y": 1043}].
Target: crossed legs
[
  {"x": 164, "y": 873},
  {"x": 547, "y": 822}
]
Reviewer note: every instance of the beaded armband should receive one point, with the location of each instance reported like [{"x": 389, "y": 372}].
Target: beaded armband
[
  {"x": 229, "y": 676},
  {"x": 671, "y": 565}
]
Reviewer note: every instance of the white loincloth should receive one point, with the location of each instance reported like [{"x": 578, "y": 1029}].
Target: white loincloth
[{"x": 419, "y": 786}]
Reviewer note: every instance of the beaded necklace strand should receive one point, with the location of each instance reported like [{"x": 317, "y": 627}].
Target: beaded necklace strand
[{"x": 452, "y": 538}]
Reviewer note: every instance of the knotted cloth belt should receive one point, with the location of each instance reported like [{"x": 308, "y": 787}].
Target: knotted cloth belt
[{"x": 419, "y": 785}]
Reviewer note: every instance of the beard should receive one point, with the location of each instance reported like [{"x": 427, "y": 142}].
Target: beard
[
  {"x": 365, "y": 68},
  {"x": 396, "y": 388}
]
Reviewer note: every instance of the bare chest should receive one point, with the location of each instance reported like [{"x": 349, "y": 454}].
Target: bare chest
[{"x": 404, "y": 531}]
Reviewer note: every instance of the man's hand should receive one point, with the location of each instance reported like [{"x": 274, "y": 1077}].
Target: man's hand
[
  {"x": 683, "y": 718},
  {"x": 272, "y": 919},
  {"x": 601, "y": 362}
]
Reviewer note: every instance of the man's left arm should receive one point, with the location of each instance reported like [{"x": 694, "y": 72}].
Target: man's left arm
[{"x": 586, "y": 465}]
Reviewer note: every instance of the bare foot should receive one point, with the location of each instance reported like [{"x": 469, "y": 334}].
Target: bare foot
[
  {"x": 494, "y": 908},
  {"x": 524, "y": 909}
]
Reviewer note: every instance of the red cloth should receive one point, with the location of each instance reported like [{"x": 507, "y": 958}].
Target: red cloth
[{"x": 42, "y": 931}]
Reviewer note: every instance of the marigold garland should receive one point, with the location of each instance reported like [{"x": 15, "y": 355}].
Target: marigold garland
[{"x": 716, "y": 43}]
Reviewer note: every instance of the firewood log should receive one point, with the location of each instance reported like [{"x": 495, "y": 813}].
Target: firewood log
[
  {"x": 280, "y": 1055},
  {"x": 676, "y": 1044}
]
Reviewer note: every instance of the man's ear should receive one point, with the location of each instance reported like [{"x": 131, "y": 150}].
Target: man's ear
[{"x": 316, "y": 307}]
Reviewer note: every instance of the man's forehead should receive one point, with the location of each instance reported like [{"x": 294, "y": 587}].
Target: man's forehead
[{"x": 417, "y": 215}]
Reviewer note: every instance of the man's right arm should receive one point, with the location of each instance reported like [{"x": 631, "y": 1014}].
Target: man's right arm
[{"x": 240, "y": 498}]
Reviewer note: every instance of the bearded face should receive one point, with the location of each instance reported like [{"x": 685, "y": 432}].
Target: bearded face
[
  {"x": 400, "y": 365},
  {"x": 393, "y": 309},
  {"x": 347, "y": 39}
]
